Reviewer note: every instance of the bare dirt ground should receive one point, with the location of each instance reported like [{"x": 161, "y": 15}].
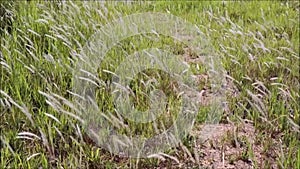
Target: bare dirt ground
[
  {"x": 228, "y": 147},
  {"x": 232, "y": 146}
]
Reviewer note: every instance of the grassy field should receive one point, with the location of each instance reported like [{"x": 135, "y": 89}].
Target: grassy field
[{"x": 258, "y": 43}]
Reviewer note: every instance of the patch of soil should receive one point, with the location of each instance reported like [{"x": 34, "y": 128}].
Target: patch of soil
[{"x": 222, "y": 146}]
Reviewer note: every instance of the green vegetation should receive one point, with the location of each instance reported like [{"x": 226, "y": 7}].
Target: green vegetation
[{"x": 258, "y": 43}]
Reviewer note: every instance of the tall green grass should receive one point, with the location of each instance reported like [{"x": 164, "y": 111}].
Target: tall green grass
[{"x": 41, "y": 43}]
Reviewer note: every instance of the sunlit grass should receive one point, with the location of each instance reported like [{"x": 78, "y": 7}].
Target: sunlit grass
[{"x": 41, "y": 43}]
